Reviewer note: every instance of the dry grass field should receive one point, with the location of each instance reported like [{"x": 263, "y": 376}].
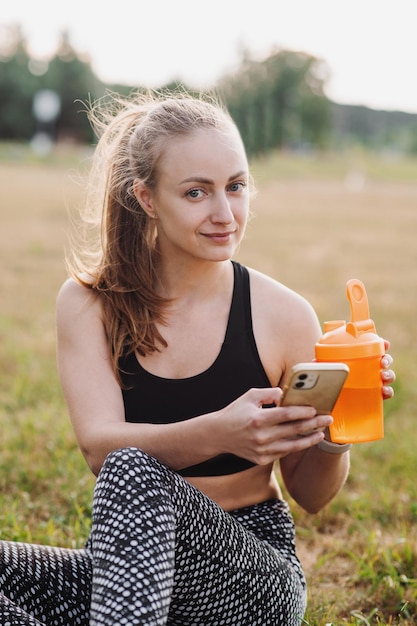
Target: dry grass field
[{"x": 318, "y": 221}]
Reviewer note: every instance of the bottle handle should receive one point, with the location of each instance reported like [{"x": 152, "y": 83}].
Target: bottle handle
[{"x": 358, "y": 300}]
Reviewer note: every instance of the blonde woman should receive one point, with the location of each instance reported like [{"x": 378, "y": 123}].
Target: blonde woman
[{"x": 171, "y": 357}]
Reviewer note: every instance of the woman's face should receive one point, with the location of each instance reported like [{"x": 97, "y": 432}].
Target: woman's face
[{"x": 201, "y": 202}]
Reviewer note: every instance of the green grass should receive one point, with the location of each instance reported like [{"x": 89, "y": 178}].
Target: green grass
[{"x": 316, "y": 225}]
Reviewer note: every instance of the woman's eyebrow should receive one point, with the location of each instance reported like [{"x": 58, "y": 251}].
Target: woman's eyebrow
[{"x": 209, "y": 181}]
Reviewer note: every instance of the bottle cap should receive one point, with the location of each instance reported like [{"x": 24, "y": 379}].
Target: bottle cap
[{"x": 354, "y": 339}]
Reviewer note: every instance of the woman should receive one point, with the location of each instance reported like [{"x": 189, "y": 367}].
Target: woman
[{"x": 171, "y": 358}]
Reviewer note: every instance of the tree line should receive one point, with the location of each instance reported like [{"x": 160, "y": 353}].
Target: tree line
[{"x": 278, "y": 102}]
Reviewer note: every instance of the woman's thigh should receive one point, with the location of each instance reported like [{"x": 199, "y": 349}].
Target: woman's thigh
[
  {"x": 237, "y": 569},
  {"x": 166, "y": 552}
]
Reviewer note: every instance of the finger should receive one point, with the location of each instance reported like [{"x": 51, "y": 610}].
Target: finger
[
  {"x": 387, "y": 392},
  {"x": 292, "y": 413},
  {"x": 268, "y": 396},
  {"x": 283, "y": 447},
  {"x": 302, "y": 427},
  {"x": 386, "y": 361},
  {"x": 388, "y": 376}
]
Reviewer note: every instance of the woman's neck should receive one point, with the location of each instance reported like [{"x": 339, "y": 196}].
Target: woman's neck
[{"x": 195, "y": 282}]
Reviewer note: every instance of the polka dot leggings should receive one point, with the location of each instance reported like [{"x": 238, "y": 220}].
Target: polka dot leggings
[
  {"x": 40, "y": 585},
  {"x": 163, "y": 554}
]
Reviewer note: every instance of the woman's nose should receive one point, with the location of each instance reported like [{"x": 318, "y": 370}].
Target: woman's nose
[{"x": 222, "y": 211}]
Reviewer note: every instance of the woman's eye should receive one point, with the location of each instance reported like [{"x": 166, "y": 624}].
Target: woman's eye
[
  {"x": 195, "y": 194},
  {"x": 237, "y": 186}
]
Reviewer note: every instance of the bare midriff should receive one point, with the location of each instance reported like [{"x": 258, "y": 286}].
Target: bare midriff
[{"x": 235, "y": 491}]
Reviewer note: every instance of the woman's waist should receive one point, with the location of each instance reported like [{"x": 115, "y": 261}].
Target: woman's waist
[{"x": 235, "y": 491}]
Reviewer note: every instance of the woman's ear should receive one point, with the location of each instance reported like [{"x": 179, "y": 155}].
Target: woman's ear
[{"x": 145, "y": 197}]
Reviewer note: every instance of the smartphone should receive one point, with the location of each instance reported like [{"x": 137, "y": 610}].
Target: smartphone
[{"x": 315, "y": 384}]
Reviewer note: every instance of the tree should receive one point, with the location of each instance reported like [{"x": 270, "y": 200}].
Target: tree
[
  {"x": 73, "y": 79},
  {"x": 67, "y": 74},
  {"x": 17, "y": 86},
  {"x": 278, "y": 101}
]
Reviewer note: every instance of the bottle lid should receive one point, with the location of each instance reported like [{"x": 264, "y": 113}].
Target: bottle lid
[{"x": 357, "y": 338}]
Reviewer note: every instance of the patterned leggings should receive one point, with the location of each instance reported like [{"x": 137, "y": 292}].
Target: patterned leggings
[{"x": 161, "y": 553}]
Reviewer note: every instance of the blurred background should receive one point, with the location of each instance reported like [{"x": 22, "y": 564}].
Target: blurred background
[
  {"x": 324, "y": 95},
  {"x": 298, "y": 75}
]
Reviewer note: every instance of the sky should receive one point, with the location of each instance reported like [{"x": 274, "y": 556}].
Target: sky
[{"x": 370, "y": 46}]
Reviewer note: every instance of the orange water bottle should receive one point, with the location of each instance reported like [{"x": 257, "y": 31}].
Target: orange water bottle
[{"x": 358, "y": 413}]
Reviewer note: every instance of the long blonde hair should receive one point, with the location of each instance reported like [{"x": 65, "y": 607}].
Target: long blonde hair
[{"x": 120, "y": 263}]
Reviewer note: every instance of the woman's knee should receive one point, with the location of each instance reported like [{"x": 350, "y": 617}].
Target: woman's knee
[
  {"x": 128, "y": 459},
  {"x": 131, "y": 470}
]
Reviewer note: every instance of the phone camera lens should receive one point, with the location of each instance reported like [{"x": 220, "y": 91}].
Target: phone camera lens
[{"x": 301, "y": 378}]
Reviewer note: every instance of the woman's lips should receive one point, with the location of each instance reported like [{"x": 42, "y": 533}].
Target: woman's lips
[{"x": 219, "y": 237}]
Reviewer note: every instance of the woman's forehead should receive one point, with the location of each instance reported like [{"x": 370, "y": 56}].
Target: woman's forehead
[{"x": 204, "y": 149}]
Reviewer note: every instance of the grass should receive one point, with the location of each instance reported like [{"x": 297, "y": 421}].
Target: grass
[{"x": 319, "y": 220}]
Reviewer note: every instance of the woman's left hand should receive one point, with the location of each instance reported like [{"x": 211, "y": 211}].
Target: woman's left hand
[{"x": 387, "y": 374}]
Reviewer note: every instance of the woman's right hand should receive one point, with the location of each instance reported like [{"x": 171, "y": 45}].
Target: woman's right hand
[{"x": 256, "y": 428}]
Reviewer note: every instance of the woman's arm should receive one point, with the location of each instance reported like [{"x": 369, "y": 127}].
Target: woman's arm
[
  {"x": 286, "y": 331},
  {"x": 314, "y": 477},
  {"x": 94, "y": 397},
  {"x": 288, "y": 326}
]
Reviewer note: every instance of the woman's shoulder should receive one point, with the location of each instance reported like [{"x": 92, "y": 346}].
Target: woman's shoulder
[
  {"x": 285, "y": 325},
  {"x": 75, "y": 296},
  {"x": 276, "y": 296}
]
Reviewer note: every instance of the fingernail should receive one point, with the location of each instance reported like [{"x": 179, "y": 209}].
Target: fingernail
[{"x": 385, "y": 362}]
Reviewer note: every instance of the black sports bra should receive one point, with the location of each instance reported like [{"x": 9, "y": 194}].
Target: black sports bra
[{"x": 237, "y": 368}]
